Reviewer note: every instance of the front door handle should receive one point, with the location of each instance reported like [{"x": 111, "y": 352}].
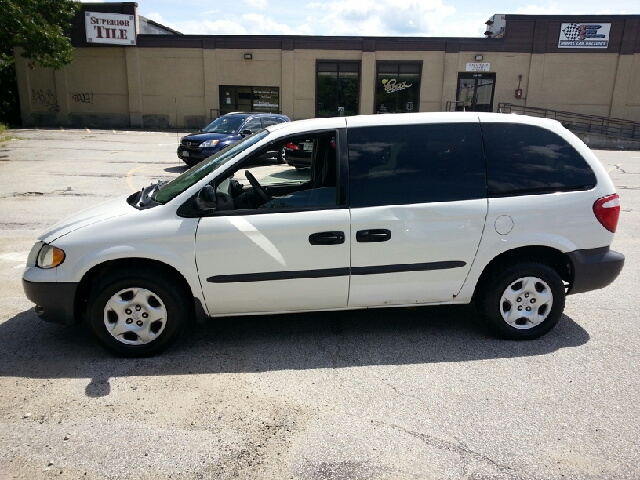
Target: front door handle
[
  {"x": 374, "y": 235},
  {"x": 326, "y": 238}
]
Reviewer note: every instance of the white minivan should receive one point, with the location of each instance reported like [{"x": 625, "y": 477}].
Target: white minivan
[{"x": 510, "y": 212}]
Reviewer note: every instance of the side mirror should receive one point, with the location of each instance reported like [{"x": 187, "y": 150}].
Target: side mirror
[
  {"x": 246, "y": 132},
  {"x": 206, "y": 199}
]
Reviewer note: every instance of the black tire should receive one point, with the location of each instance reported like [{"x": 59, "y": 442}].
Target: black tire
[
  {"x": 161, "y": 318},
  {"x": 281, "y": 156},
  {"x": 531, "y": 316}
]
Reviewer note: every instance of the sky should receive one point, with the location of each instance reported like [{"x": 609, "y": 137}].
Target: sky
[{"x": 432, "y": 18}]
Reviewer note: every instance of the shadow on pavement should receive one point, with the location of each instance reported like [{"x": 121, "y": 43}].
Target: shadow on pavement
[
  {"x": 34, "y": 349},
  {"x": 177, "y": 169}
]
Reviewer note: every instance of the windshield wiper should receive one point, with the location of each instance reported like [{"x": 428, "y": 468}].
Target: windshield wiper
[{"x": 144, "y": 196}]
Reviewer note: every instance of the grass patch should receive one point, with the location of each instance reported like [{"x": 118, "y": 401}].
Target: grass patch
[{"x": 4, "y": 138}]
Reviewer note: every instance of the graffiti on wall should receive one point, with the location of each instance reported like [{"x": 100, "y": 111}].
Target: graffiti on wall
[
  {"x": 83, "y": 98},
  {"x": 46, "y": 98}
]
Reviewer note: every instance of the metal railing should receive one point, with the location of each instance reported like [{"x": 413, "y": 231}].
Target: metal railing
[
  {"x": 453, "y": 106},
  {"x": 578, "y": 122}
]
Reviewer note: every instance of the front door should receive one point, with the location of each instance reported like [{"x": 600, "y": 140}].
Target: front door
[
  {"x": 283, "y": 243},
  {"x": 269, "y": 262},
  {"x": 475, "y": 92}
]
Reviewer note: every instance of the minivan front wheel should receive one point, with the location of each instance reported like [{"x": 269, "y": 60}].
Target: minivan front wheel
[
  {"x": 136, "y": 314},
  {"x": 522, "y": 302}
]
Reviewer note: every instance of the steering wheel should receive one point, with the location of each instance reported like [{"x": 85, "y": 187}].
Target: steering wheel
[{"x": 256, "y": 186}]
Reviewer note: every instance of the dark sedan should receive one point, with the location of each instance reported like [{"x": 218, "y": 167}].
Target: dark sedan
[{"x": 222, "y": 132}]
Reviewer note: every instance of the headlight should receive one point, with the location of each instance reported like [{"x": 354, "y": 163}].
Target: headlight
[
  {"x": 209, "y": 143},
  {"x": 49, "y": 257},
  {"x": 32, "y": 259}
]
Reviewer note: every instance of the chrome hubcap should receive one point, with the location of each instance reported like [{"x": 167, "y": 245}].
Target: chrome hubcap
[
  {"x": 526, "y": 302},
  {"x": 135, "y": 316}
]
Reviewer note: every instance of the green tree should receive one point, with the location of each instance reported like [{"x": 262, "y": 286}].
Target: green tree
[{"x": 38, "y": 27}]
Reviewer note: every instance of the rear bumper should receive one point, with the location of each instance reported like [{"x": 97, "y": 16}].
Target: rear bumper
[
  {"x": 595, "y": 268},
  {"x": 301, "y": 161},
  {"x": 54, "y": 301}
]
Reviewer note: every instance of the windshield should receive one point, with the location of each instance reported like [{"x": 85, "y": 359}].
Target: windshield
[
  {"x": 224, "y": 125},
  {"x": 179, "y": 184}
]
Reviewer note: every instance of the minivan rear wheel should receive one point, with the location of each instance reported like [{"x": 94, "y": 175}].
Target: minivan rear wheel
[
  {"x": 523, "y": 301},
  {"x": 136, "y": 314}
]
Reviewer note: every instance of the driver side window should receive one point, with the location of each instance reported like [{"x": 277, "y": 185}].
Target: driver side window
[{"x": 307, "y": 178}]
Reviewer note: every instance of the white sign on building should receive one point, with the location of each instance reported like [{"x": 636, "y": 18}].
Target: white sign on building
[
  {"x": 112, "y": 28},
  {"x": 584, "y": 35},
  {"x": 478, "y": 67}
]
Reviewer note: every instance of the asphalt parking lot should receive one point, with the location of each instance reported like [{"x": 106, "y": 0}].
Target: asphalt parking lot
[{"x": 421, "y": 393}]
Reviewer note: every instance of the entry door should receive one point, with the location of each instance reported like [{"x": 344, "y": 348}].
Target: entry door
[
  {"x": 234, "y": 99},
  {"x": 274, "y": 262},
  {"x": 475, "y": 92}
]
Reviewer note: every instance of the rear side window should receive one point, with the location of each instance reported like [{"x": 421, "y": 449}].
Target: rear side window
[
  {"x": 399, "y": 165},
  {"x": 525, "y": 159},
  {"x": 254, "y": 125},
  {"x": 266, "y": 121}
]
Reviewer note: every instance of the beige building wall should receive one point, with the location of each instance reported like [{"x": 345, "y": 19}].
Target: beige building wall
[
  {"x": 172, "y": 84},
  {"x": 626, "y": 98},
  {"x": 39, "y": 102},
  {"x": 96, "y": 86},
  {"x": 179, "y": 87},
  {"x": 578, "y": 82}
]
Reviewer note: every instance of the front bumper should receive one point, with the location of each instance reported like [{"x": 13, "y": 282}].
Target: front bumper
[
  {"x": 54, "y": 301},
  {"x": 194, "y": 155},
  {"x": 594, "y": 268}
]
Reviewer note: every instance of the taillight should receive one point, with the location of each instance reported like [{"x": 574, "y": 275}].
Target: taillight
[
  {"x": 292, "y": 146},
  {"x": 607, "y": 211}
]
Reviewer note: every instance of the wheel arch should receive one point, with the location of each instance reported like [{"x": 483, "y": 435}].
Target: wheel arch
[
  {"x": 550, "y": 256},
  {"x": 86, "y": 283}
]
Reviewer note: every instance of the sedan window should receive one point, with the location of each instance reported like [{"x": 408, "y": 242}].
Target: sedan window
[{"x": 224, "y": 125}]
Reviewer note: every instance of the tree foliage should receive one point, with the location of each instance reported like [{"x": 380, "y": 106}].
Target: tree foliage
[{"x": 38, "y": 27}]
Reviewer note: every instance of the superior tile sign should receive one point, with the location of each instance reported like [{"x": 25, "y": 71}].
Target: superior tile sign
[
  {"x": 112, "y": 28},
  {"x": 584, "y": 35}
]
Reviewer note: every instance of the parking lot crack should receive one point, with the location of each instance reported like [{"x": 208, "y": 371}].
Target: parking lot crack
[
  {"x": 461, "y": 449},
  {"x": 404, "y": 394}
]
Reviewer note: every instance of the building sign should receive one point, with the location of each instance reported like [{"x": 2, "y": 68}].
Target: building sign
[
  {"x": 111, "y": 28},
  {"x": 478, "y": 67},
  {"x": 584, "y": 35},
  {"x": 392, "y": 86},
  {"x": 266, "y": 99}
]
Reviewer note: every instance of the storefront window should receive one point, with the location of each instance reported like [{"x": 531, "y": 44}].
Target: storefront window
[
  {"x": 337, "y": 89},
  {"x": 398, "y": 87},
  {"x": 249, "y": 99}
]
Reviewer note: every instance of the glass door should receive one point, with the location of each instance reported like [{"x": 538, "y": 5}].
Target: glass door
[
  {"x": 237, "y": 98},
  {"x": 475, "y": 92}
]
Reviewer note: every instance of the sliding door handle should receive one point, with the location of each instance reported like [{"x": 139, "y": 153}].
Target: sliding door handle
[
  {"x": 374, "y": 235},
  {"x": 326, "y": 238}
]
